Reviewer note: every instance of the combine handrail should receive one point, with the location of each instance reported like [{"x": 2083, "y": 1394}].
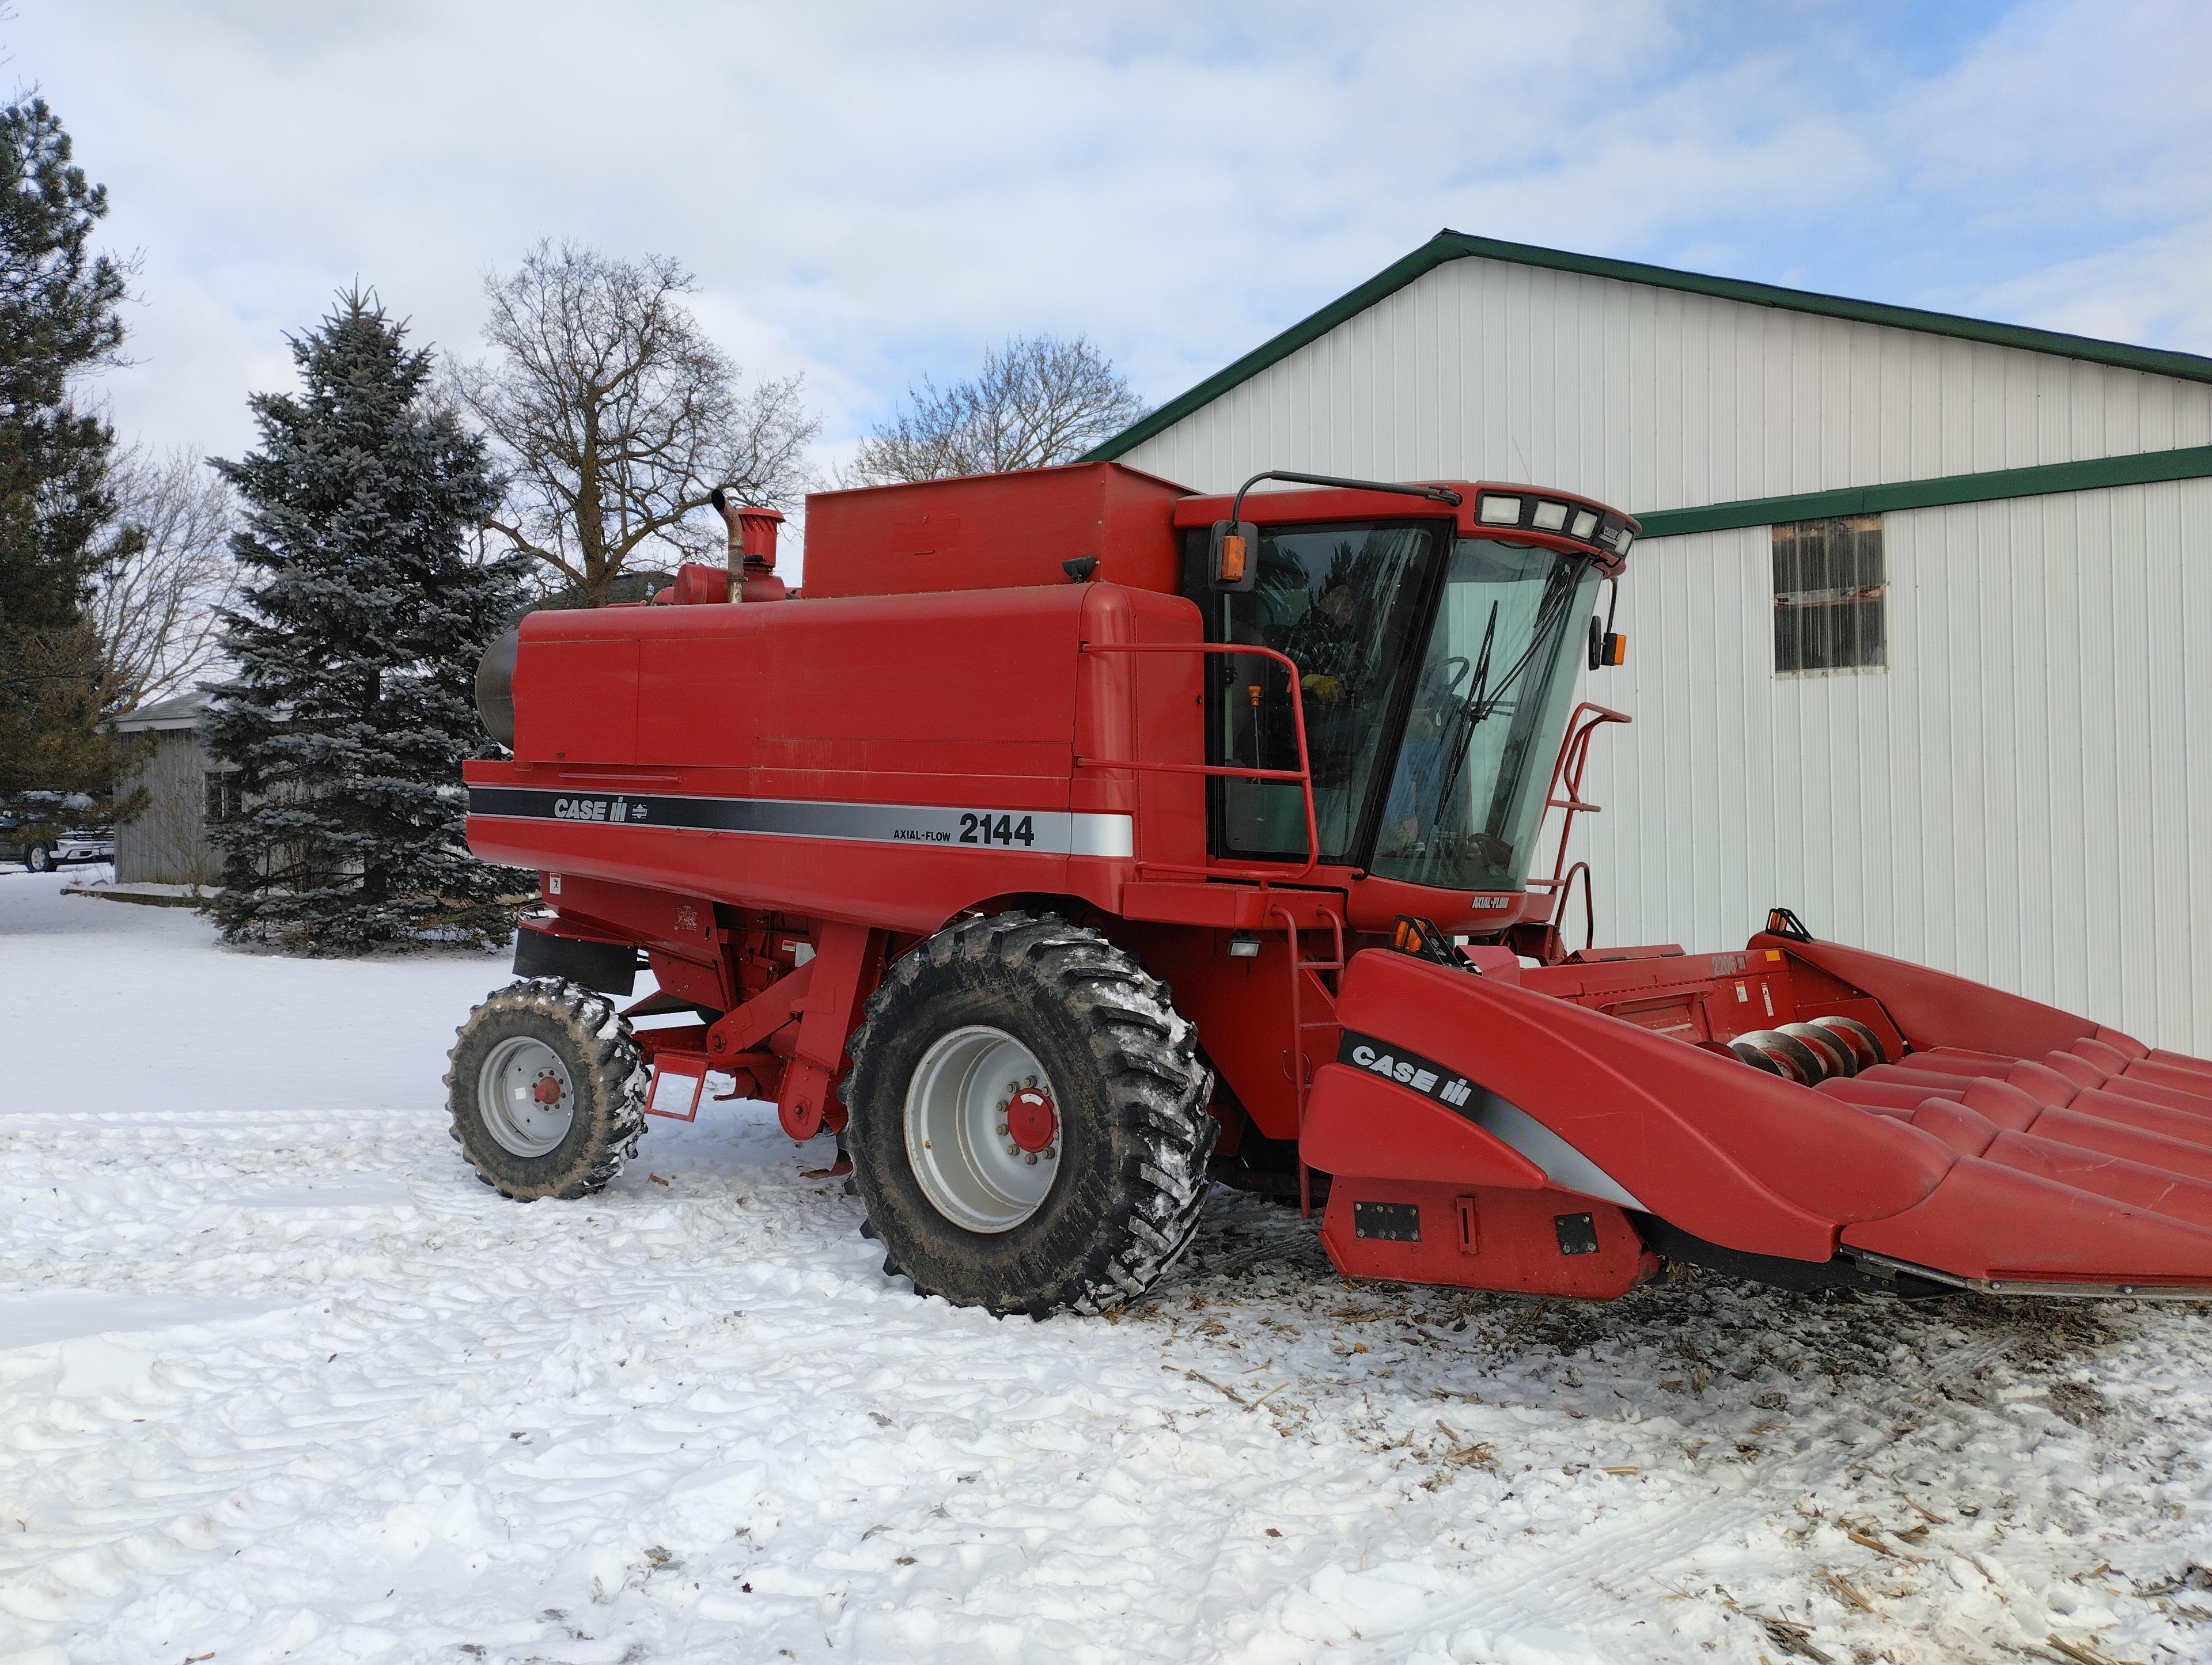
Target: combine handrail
[
  {"x": 1303, "y": 775},
  {"x": 1590, "y": 906},
  {"x": 1567, "y": 770}
]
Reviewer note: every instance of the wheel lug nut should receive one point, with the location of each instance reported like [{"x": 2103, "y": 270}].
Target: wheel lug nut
[
  {"x": 1002, "y": 1106},
  {"x": 1031, "y": 1082},
  {"x": 1030, "y": 1158},
  {"x": 1002, "y": 1130},
  {"x": 1013, "y": 1149},
  {"x": 1052, "y": 1153}
]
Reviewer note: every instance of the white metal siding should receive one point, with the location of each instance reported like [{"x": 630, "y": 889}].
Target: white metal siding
[
  {"x": 1652, "y": 398},
  {"x": 167, "y": 842},
  {"x": 2025, "y": 797}
]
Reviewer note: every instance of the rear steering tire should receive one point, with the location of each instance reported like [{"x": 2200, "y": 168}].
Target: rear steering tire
[
  {"x": 547, "y": 1090},
  {"x": 1029, "y": 1129}
]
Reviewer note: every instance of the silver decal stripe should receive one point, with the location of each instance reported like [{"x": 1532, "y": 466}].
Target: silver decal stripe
[
  {"x": 1564, "y": 1165},
  {"x": 1041, "y": 832}
]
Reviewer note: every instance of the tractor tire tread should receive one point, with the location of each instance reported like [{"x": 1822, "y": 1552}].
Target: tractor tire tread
[
  {"x": 1147, "y": 1056},
  {"x": 611, "y": 1094}
]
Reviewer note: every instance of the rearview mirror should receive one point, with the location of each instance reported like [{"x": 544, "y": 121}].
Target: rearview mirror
[{"x": 1233, "y": 555}]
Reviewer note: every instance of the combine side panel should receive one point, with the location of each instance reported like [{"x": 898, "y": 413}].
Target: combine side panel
[
  {"x": 1635, "y": 1117},
  {"x": 888, "y": 761}
]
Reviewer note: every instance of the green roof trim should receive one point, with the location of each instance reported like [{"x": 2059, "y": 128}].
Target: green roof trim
[
  {"x": 1459, "y": 246},
  {"x": 2093, "y": 474}
]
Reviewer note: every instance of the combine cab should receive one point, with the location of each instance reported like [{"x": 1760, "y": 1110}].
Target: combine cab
[{"x": 1075, "y": 841}]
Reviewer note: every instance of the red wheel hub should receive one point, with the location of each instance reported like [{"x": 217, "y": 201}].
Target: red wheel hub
[
  {"x": 548, "y": 1089},
  {"x": 1030, "y": 1121}
]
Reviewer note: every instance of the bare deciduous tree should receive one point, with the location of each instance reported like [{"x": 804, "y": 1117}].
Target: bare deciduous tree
[
  {"x": 1037, "y": 401},
  {"x": 613, "y": 416},
  {"x": 157, "y": 610}
]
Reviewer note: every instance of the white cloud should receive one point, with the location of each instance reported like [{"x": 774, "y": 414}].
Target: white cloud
[
  {"x": 2151, "y": 290},
  {"x": 869, "y": 191}
]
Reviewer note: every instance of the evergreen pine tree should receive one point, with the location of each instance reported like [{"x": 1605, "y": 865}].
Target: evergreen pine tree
[
  {"x": 59, "y": 316},
  {"x": 356, "y": 639}
]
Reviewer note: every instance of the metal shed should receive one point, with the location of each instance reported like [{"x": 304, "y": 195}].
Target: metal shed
[
  {"x": 167, "y": 842},
  {"x": 1910, "y": 620}
]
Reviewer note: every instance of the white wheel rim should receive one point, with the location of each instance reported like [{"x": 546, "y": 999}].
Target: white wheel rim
[
  {"x": 972, "y": 1174},
  {"x": 525, "y": 1095}
]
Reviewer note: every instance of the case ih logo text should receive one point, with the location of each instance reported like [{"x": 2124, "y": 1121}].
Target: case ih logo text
[
  {"x": 1432, "y": 1080},
  {"x": 596, "y": 809}
]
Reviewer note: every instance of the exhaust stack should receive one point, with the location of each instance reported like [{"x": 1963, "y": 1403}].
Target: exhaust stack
[{"x": 752, "y": 549}]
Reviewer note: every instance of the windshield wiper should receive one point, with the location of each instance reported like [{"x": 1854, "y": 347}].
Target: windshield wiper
[
  {"x": 1471, "y": 710},
  {"x": 1480, "y": 702}
]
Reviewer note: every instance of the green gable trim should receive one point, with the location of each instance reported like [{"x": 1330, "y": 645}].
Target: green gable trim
[
  {"x": 1388, "y": 282},
  {"x": 2138, "y": 468},
  {"x": 1459, "y": 246}
]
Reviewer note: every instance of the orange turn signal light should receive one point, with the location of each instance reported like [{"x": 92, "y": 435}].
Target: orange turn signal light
[
  {"x": 1234, "y": 568},
  {"x": 1616, "y": 648}
]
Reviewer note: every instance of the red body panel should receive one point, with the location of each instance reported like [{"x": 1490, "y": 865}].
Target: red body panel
[
  {"x": 1479, "y": 1238},
  {"x": 1741, "y": 1159},
  {"x": 1990, "y": 1221},
  {"x": 995, "y": 532},
  {"x": 967, "y": 702},
  {"x": 1356, "y": 1124},
  {"x": 1935, "y": 1009}
]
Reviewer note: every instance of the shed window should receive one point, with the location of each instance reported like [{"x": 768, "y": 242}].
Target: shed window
[
  {"x": 1828, "y": 579},
  {"x": 223, "y": 801}
]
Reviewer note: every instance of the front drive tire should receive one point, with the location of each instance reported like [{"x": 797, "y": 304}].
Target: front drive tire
[
  {"x": 547, "y": 1090},
  {"x": 1083, "y": 1207},
  {"x": 39, "y": 858}
]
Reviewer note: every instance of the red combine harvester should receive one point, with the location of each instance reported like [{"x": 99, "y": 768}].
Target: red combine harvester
[{"x": 1076, "y": 841}]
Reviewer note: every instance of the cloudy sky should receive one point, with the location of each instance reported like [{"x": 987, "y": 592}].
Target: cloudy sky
[{"x": 868, "y": 193}]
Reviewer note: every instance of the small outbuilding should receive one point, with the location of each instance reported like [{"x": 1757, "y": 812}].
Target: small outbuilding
[
  {"x": 1915, "y": 620},
  {"x": 166, "y": 842}
]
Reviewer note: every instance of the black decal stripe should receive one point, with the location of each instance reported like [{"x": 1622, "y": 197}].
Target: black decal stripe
[{"x": 1058, "y": 832}]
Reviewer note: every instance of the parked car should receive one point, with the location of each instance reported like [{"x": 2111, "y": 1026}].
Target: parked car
[{"x": 35, "y": 829}]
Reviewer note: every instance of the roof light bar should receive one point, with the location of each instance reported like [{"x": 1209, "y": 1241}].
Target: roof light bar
[{"x": 1603, "y": 531}]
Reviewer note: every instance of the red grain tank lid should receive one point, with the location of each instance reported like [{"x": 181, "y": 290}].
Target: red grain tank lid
[{"x": 995, "y": 532}]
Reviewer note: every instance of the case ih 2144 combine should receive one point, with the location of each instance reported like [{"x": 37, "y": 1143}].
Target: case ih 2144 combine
[{"x": 1075, "y": 841}]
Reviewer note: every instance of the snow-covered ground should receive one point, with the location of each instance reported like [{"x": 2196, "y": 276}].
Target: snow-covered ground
[{"x": 279, "y": 1379}]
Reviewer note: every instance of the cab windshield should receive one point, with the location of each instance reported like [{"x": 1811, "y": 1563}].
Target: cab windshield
[{"x": 1435, "y": 679}]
